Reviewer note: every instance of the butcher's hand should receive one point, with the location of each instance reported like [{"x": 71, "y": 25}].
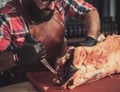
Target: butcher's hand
[
  {"x": 89, "y": 41},
  {"x": 30, "y": 54}
]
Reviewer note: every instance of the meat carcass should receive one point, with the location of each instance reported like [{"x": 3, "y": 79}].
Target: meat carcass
[{"x": 87, "y": 64}]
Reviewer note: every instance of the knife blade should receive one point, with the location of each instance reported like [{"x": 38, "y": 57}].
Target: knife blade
[{"x": 47, "y": 65}]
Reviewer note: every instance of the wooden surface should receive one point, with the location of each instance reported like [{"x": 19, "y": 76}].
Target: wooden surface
[
  {"x": 19, "y": 87},
  {"x": 43, "y": 81}
]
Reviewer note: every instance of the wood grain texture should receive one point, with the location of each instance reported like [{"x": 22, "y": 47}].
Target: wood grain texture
[{"x": 20, "y": 87}]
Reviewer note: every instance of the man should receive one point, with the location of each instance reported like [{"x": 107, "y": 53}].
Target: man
[{"x": 31, "y": 30}]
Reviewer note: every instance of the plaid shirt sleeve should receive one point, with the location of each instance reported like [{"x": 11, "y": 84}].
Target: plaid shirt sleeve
[
  {"x": 76, "y": 8},
  {"x": 5, "y": 37},
  {"x": 12, "y": 27}
]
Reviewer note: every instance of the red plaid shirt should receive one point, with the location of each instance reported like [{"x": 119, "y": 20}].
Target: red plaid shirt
[{"x": 13, "y": 27}]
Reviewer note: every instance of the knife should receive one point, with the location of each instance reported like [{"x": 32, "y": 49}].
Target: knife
[{"x": 47, "y": 65}]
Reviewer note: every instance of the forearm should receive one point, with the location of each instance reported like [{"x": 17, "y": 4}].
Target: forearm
[{"x": 92, "y": 24}]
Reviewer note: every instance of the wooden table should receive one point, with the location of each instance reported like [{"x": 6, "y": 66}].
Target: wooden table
[{"x": 19, "y": 87}]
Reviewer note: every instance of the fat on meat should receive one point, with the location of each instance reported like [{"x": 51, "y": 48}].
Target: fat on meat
[{"x": 89, "y": 63}]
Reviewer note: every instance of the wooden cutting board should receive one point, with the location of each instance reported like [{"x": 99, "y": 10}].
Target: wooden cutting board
[{"x": 43, "y": 81}]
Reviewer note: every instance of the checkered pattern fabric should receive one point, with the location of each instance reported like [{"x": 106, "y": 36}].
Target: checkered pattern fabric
[{"x": 3, "y": 2}]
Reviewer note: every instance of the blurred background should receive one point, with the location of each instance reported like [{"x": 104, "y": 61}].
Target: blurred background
[{"x": 74, "y": 31}]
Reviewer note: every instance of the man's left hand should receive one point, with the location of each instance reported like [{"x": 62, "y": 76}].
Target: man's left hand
[{"x": 89, "y": 41}]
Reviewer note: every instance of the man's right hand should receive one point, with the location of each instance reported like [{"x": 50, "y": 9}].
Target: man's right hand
[{"x": 30, "y": 54}]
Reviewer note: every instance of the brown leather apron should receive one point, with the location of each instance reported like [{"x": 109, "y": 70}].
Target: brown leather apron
[{"x": 51, "y": 34}]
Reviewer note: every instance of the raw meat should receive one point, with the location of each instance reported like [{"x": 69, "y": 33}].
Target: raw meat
[{"x": 87, "y": 64}]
